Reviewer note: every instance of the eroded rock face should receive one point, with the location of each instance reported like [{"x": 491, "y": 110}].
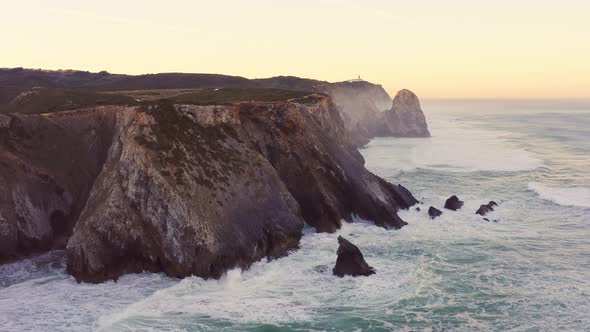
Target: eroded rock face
[
  {"x": 453, "y": 203},
  {"x": 182, "y": 196},
  {"x": 350, "y": 260},
  {"x": 313, "y": 154},
  {"x": 183, "y": 189}
]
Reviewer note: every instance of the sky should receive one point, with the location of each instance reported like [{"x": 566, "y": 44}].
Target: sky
[{"x": 438, "y": 49}]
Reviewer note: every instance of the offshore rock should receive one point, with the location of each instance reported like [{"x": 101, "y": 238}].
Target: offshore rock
[
  {"x": 434, "y": 212},
  {"x": 350, "y": 260},
  {"x": 453, "y": 203}
]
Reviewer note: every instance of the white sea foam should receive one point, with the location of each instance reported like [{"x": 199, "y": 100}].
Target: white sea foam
[
  {"x": 292, "y": 289},
  {"x": 453, "y": 147},
  {"x": 567, "y": 196}
]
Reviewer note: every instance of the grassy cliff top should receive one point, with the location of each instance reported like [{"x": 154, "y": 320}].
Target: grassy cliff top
[{"x": 47, "y": 100}]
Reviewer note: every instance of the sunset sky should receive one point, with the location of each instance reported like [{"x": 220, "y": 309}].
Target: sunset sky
[{"x": 439, "y": 49}]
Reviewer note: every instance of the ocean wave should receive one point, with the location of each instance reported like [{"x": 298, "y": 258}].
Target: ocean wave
[{"x": 566, "y": 196}]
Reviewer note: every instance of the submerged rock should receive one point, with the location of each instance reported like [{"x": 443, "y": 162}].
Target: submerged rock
[
  {"x": 434, "y": 212},
  {"x": 486, "y": 208},
  {"x": 453, "y": 203},
  {"x": 350, "y": 260}
]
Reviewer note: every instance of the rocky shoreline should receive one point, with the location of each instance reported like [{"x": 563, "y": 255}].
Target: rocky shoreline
[{"x": 182, "y": 189}]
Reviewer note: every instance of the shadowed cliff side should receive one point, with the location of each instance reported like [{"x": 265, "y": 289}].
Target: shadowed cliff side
[{"x": 47, "y": 168}]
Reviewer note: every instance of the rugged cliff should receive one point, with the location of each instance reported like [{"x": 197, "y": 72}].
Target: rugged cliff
[
  {"x": 368, "y": 111},
  {"x": 360, "y": 104},
  {"x": 404, "y": 119},
  {"x": 183, "y": 189},
  {"x": 366, "y": 108}
]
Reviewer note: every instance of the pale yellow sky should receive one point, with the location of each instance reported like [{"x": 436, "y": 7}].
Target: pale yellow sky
[{"x": 439, "y": 49}]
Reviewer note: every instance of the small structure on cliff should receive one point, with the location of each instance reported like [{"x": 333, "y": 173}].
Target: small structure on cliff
[{"x": 354, "y": 80}]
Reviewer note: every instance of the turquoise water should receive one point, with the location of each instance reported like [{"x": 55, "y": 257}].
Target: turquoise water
[{"x": 530, "y": 271}]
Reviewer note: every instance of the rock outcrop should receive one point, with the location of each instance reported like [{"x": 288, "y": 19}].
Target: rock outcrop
[
  {"x": 434, "y": 212},
  {"x": 453, "y": 203},
  {"x": 404, "y": 119},
  {"x": 350, "y": 260},
  {"x": 486, "y": 208},
  {"x": 183, "y": 189}
]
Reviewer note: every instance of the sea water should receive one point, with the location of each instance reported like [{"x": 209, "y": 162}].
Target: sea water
[{"x": 529, "y": 271}]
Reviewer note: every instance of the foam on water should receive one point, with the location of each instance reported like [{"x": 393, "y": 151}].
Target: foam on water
[
  {"x": 454, "y": 147},
  {"x": 297, "y": 288},
  {"x": 567, "y": 196},
  {"x": 37, "y": 295}
]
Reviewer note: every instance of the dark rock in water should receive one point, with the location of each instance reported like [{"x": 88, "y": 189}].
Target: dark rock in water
[
  {"x": 417, "y": 208},
  {"x": 486, "y": 208},
  {"x": 453, "y": 203},
  {"x": 486, "y": 219},
  {"x": 434, "y": 212},
  {"x": 350, "y": 260},
  {"x": 483, "y": 210}
]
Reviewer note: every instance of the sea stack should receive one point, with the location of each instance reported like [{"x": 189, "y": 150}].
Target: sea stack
[
  {"x": 405, "y": 118},
  {"x": 350, "y": 260},
  {"x": 434, "y": 212},
  {"x": 453, "y": 203}
]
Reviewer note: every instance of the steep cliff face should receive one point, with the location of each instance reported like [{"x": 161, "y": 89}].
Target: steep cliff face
[
  {"x": 405, "y": 118},
  {"x": 47, "y": 167},
  {"x": 181, "y": 193},
  {"x": 182, "y": 189},
  {"x": 360, "y": 104}
]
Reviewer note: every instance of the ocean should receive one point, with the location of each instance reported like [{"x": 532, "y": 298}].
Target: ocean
[{"x": 529, "y": 271}]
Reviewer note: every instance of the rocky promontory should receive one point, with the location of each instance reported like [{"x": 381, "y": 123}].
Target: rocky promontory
[
  {"x": 404, "y": 119},
  {"x": 182, "y": 188}
]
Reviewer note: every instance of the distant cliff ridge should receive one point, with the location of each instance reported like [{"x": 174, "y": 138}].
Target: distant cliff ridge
[
  {"x": 365, "y": 108},
  {"x": 368, "y": 111}
]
